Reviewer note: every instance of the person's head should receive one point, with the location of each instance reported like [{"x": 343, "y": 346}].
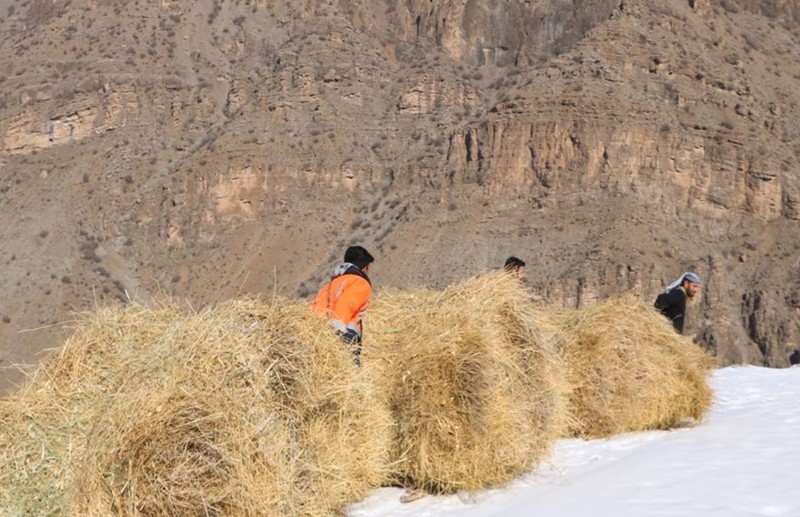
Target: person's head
[
  {"x": 359, "y": 257},
  {"x": 515, "y": 266},
  {"x": 691, "y": 284}
]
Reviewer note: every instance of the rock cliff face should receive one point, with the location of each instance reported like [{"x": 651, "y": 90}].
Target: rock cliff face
[
  {"x": 207, "y": 149},
  {"x": 519, "y": 33},
  {"x": 82, "y": 117}
]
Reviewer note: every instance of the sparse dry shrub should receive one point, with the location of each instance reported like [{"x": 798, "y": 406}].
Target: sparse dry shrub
[
  {"x": 249, "y": 408},
  {"x": 474, "y": 387},
  {"x": 627, "y": 368}
]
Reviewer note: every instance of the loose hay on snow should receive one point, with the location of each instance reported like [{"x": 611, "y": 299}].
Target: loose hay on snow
[
  {"x": 627, "y": 368},
  {"x": 249, "y": 408},
  {"x": 474, "y": 388}
]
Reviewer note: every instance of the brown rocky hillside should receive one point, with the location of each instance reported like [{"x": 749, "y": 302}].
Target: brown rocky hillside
[{"x": 211, "y": 148}]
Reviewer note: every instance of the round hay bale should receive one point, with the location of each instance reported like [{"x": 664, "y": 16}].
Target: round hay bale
[
  {"x": 627, "y": 368},
  {"x": 474, "y": 388},
  {"x": 40, "y": 449},
  {"x": 248, "y": 408},
  {"x": 45, "y": 421},
  {"x": 87, "y": 361}
]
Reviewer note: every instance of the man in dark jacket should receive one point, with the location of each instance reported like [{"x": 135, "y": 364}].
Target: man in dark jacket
[
  {"x": 672, "y": 302},
  {"x": 515, "y": 266}
]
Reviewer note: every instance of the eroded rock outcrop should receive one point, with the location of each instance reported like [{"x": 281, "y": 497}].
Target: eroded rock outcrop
[
  {"x": 41, "y": 126},
  {"x": 553, "y": 159}
]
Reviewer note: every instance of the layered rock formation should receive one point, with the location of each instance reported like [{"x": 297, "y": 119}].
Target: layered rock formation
[{"x": 206, "y": 149}]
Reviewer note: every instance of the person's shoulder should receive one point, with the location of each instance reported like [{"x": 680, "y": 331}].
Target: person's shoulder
[
  {"x": 677, "y": 294},
  {"x": 668, "y": 296},
  {"x": 665, "y": 294},
  {"x": 356, "y": 279}
]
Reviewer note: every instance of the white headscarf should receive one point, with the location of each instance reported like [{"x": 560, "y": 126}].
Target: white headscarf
[{"x": 686, "y": 276}]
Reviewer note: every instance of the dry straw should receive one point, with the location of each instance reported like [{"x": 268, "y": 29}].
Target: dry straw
[
  {"x": 475, "y": 389},
  {"x": 249, "y": 408},
  {"x": 256, "y": 408},
  {"x": 628, "y": 370}
]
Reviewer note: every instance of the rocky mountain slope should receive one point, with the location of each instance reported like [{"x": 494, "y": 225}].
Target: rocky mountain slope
[{"x": 206, "y": 149}]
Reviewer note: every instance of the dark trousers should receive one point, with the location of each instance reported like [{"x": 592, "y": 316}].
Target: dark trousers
[{"x": 352, "y": 339}]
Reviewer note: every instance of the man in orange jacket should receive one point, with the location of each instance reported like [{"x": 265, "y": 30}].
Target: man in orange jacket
[{"x": 345, "y": 297}]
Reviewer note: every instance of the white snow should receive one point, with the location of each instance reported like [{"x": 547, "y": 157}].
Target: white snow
[{"x": 743, "y": 460}]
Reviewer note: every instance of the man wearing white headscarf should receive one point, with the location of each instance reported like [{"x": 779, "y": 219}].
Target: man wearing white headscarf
[{"x": 672, "y": 302}]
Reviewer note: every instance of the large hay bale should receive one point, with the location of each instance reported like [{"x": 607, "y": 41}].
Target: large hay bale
[
  {"x": 627, "y": 368},
  {"x": 474, "y": 388},
  {"x": 33, "y": 445},
  {"x": 249, "y": 408}
]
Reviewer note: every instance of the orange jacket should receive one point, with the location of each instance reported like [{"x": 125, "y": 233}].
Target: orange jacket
[{"x": 344, "y": 299}]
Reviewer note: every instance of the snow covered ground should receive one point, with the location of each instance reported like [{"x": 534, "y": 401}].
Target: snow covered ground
[{"x": 743, "y": 461}]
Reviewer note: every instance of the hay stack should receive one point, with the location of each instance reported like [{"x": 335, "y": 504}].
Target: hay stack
[
  {"x": 249, "y": 408},
  {"x": 474, "y": 388},
  {"x": 628, "y": 370}
]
